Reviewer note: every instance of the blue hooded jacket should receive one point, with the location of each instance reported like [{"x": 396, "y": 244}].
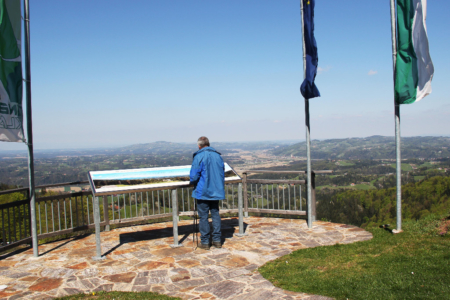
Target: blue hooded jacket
[{"x": 208, "y": 175}]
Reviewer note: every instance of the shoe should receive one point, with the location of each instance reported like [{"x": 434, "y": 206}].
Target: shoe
[
  {"x": 217, "y": 244},
  {"x": 204, "y": 246}
]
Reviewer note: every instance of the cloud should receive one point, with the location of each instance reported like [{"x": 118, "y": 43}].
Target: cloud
[
  {"x": 372, "y": 72},
  {"x": 322, "y": 70}
]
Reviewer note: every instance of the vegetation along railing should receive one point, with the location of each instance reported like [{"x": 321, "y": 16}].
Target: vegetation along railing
[
  {"x": 278, "y": 196},
  {"x": 61, "y": 214}
]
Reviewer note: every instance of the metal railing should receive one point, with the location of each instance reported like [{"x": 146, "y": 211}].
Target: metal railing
[
  {"x": 61, "y": 214},
  {"x": 58, "y": 215},
  {"x": 278, "y": 196}
]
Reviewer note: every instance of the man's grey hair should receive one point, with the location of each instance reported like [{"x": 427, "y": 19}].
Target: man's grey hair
[{"x": 203, "y": 141}]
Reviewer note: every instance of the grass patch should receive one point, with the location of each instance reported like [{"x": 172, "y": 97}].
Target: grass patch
[
  {"x": 364, "y": 187},
  {"x": 418, "y": 178},
  {"x": 338, "y": 187},
  {"x": 118, "y": 296},
  {"x": 344, "y": 163},
  {"x": 412, "y": 265},
  {"x": 405, "y": 167}
]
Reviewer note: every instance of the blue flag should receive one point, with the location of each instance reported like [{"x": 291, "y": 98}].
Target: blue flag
[{"x": 308, "y": 88}]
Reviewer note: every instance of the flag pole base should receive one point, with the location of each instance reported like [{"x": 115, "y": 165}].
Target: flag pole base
[
  {"x": 176, "y": 246},
  {"x": 395, "y": 231},
  {"x": 240, "y": 234}
]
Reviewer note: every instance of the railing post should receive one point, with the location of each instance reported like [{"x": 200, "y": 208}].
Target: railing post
[
  {"x": 241, "y": 212},
  {"x": 97, "y": 230},
  {"x": 313, "y": 196},
  {"x": 3, "y": 229},
  {"x": 29, "y": 223},
  {"x": 105, "y": 213},
  {"x": 176, "y": 244},
  {"x": 244, "y": 181}
]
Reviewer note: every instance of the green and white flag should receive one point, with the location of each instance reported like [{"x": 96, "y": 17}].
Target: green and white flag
[
  {"x": 414, "y": 68},
  {"x": 11, "y": 116}
]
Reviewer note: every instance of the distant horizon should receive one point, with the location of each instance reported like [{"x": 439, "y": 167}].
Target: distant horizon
[{"x": 285, "y": 141}]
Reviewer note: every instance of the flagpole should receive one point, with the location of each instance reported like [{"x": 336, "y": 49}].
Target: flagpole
[
  {"x": 308, "y": 144},
  {"x": 26, "y": 21},
  {"x": 397, "y": 123}
]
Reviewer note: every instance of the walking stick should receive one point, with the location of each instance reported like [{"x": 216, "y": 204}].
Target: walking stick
[{"x": 195, "y": 229}]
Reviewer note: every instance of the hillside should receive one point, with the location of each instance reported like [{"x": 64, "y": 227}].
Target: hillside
[
  {"x": 223, "y": 147},
  {"x": 374, "y": 147},
  {"x": 374, "y": 207}
]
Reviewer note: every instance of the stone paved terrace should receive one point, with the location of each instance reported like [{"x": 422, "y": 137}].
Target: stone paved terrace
[{"x": 140, "y": 258}]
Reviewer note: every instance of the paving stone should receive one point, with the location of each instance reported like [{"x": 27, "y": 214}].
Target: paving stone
[
  {"x": 158, "y": 289},
  {"x": 262, "y": 285},
  {"x": 20, "y": 296},
  {"x": 224, "y": 289},
  {"x": 202, "y": 272},
  {"x": 156, "y": 280},
  {"x": 207, "y": 262},
  {"x": 57, "y": 273},
  {"x": 214, "y": 278},
  {"x": 180, "y": 277},
  {"x": 80, "y": 266},
  {"x": 236, "y": 273},
  {"x": 188, "y": 263},
  {"x": 141, "y": 288},
  {"x": 104, "y": 287},
  {"x": 46, "y": 284},
  {"x": 158, "y": 273},
  {"x": 251, "y": 267},
  {"x": 190, "y": 283},
  {"x": 140, "y": 264},
  {"x": 87, "y": 273},
  {"x": 124, "y": 277},
  {"x": 18, "y": 275},
  {"x": 235, "y": 261},
  {"x": 72, "y": 291},
  {"x": 150, "y": 265},
  {"x": 258, "y": 295},
  {"x": 30, "y": 278}
]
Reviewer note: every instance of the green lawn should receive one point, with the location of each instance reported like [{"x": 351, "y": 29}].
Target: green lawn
[
  {"x": 364, "y": 187},
  {"x": 418, "y": 178},
  {"x": 356, "y": 186},
  {"x": 414, "y": 264},
  {"x": 334, "y": 187},
  {"x": 344, "y": 163},
  {"x": 405, "y": 167},
  {"x": 118, "y": 296}
]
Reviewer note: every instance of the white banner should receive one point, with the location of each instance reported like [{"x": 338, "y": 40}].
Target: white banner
[{"x": 11, "y": 116}]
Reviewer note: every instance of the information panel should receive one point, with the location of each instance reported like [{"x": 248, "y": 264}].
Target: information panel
[{"x": 134, "y": 180}]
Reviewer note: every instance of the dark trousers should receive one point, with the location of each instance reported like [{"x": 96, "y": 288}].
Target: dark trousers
[{"x": 204, "y": 207}]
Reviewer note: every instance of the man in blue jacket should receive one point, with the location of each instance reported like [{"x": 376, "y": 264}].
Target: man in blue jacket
[{"x": 208, "y": 177}]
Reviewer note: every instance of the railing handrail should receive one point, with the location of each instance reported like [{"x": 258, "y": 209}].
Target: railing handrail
[
  {"x": 275, "y": 181},
  {"x": 87, "y": 182},
  {"x": 288, "y": 172},
  {"x": 63, "y": 196},
  {"x": 13, "y": 191},
  {"x": 62, "y": 184},
  {"x": 24, "y": 189}
]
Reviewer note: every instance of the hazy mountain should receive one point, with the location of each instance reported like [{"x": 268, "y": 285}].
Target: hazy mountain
[{"x": 374, "y": 147}]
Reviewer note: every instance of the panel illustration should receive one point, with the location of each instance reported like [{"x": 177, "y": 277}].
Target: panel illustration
[{"x": 109, "y": 182}]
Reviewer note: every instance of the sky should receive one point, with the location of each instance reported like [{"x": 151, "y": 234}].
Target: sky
[{"x": 109, "y": 73}]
